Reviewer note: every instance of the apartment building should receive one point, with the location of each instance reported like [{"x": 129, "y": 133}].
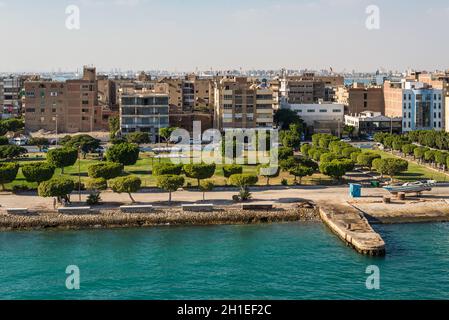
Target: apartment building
[
  {"x": 64, "y": 107},
  {"x": 359, "y": 98},
  {"x": 10, "y": 99},
  {"x": 144, "y": 110},
  {"x": 420, "y": 105},
  {"x": 240, "y": 103},
  {"x": 191, "y": 99}
]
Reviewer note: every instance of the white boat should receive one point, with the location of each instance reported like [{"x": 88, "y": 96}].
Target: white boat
[{"x": 412, "y": 187}]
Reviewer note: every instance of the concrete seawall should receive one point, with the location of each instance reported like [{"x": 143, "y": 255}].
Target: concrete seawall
[{"x": 347, "y": 222}]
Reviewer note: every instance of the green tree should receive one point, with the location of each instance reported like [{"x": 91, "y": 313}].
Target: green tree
[
  {"x": 39, "y": 142},
  {"x": 206, "y": 186},
  {"x": 162, "y": 169},
  {"x": 283, "y": 118},
  {"x": 408, "y": 149},
  {"x": 59, "y": 188},
  {"x": 268, "y": 171},
  {"x": 366, "y": 159},
  {"x": 335, "y": 169},
  {"x": 8, "y": 173},
  {"x": 128, "y": 184},
  {"x": 38, "y": 172},
  {"x": 84, "y": 142},
  {"x": 95, "y": 186},
  {"x": 13, "y": 124},
  {"x": 429, "y": 155},
  {"x": 441, "y": 158},
  {"x": 4, "y": 141},
  {"x": 170, "y": 183},
  {"x": 199, "y": 171},
  {"x": 124, "y": 153},
  {"x": 305, "y": 149},
  {"x": 244, "y": 181},
  {"x": 285, "y": 153},
  {"x": 105, "y": 170},
  {"x": 420, "y": 152},
  {"x": 114, "y": 126},
  {"x": 346, "y": 152},
  {"x": 165, "y": 133},
  {"x": 63, "y": 157},
  {"x": 11, "y": 151},
  {"x": 300, "y": 171},
  {"x": 138, "y": 137},
  {"x": 390, "y": 166}
]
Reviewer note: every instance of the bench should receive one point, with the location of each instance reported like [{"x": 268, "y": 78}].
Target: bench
[
  {"x": 137, "y": 209},
  {"x": 198, "y": 207},
  {"x": 16, "y": 211},
  {"x": 74, "y": 210},
  {"x": 257, "y": 206}
]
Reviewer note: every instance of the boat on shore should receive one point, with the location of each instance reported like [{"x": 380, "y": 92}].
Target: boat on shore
[{"x": 412, "y": 187}]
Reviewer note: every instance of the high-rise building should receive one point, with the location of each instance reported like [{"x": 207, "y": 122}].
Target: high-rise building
[
  {"x": 359, "y": 98},
  {"x": 240, "y": 103},
  {"x": 70, "y": 106},
  {"x": 144, "y": 110},
  {"x": 420, "y": 105}
]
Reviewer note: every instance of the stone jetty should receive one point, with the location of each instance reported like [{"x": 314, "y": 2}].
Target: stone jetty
[{"x": 353, "y": 228}]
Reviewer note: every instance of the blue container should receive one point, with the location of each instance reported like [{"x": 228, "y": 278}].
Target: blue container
[{"x": 355, "y": 190}]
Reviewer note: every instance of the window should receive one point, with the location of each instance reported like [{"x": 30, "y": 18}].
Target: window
[
  {"x": 409, "y": 115},
  {"x": 323, "y": 110},
  {"x": 227, "y": 106},
  {"x": 227, "y": 97},
  {"x": 311, "y": 110},
  {"x": 53, "y": 94},
  {"x": 405, "y": 115},
  {"x": 336, "y": 110},
  {"x": 405, "y": 97}
]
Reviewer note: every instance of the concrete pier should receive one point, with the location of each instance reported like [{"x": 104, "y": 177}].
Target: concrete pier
[{"x": 350, "y": 225}]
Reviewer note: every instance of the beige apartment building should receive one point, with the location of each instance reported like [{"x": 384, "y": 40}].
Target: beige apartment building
[
  {"x": 240, "y": 103},
  {"x": 190, "y": 99},
  {"x": 65, "y": 107},
  {"x": 358, "y": 98}
]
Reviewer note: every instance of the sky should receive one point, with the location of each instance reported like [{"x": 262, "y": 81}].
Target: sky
[{"x": 189, "y": 35}]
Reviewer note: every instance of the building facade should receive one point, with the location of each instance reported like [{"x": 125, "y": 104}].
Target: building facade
[
  {"x": 10, "y": 100},
  {"x": 369, "y": 123},
  {"x": 144, "y": 110},
  {"x": 240, "y": 103},
  {"x": 420, "y": 105},
  {"x": 359, "y": 98},
  {"x": 321, "y": 117},
  {"x": 64, "y": 107}
]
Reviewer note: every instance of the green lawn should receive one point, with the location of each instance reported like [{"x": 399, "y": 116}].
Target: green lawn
[
  {"x": 143, "y": 168},
  {"x": 415, "y": 171}
]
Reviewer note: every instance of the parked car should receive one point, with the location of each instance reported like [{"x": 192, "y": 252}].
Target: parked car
[{"x": 346, "y": 140}]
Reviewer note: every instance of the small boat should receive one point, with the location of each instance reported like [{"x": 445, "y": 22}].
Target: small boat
[{"x": 412, "y": 187}]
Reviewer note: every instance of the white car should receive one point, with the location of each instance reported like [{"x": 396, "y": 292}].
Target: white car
[{"x": 346, "y": 140}]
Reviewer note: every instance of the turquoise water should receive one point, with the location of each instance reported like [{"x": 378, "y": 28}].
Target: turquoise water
[{"x": 273, "y": 261}]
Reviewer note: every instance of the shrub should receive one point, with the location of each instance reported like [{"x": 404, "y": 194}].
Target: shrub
[
  {"x": 124, "y": 153},
  {"x": 161, "y": 169},
  {"x": 231, "y": 169},
  {"x": 127, "y": 185},
  {"x": 284, "y": 182},
  {"x": 63, "y": 157},
  {"x": 170, "y": 183},
  {"x": 347, "y": 152},
  {"x": 93, "y": 199},
  {"x": 206, "y": 186},
  {"x": 56, "y": 187},
  {"x": 8, "y": 173},
  {"x": 328, "y": 157},
  {"x": 199, "y": 171},
  {"x": 95, "y": 184},
  {"x": 107, "y": 170},
  {"x": 138, "y": 137},
  {"x": 11, "y": 151},
  {"x": 38, "y": 172},
  {"x": 355, "y": 155}
]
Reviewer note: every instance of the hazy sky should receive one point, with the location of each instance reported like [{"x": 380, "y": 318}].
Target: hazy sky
[{"x": 183, "y": 35}]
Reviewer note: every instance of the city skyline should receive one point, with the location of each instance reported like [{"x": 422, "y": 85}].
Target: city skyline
[{"x": 198, "y": 35}]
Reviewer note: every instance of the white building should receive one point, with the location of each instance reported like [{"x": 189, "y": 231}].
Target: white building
[
  {"x": 369, "y": 123},
  {"x": 321, "y": 117}
]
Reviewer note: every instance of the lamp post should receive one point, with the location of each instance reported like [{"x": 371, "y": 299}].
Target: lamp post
[
  {"x": 56, "y": 119},
  {"x": 79, "y": 173}
]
